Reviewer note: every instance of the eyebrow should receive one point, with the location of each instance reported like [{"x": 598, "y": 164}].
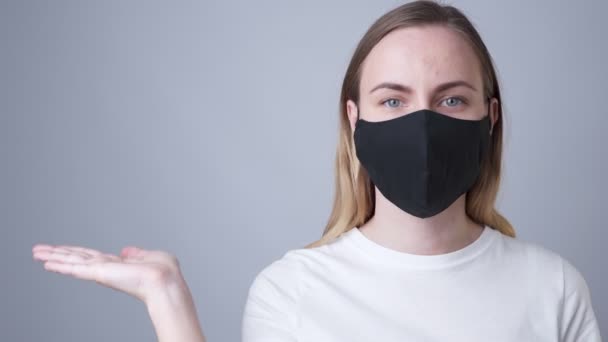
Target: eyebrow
[{"x": 406, "y": 89}]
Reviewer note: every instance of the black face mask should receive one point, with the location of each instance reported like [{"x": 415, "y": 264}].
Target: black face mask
[{"x": 422, "y": 161}]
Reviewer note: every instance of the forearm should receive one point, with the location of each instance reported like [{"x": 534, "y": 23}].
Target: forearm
[{"x": 174, "y": 316}]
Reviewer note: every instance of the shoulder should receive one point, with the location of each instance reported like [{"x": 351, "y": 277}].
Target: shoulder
[
  {"x": 531, "y": 258},
  {"x": 557, "y": 277},
  {"x": 544, "y": 262},
  {"x": 577, "y": 316},
  {"x": 543, "y": 271},
  {"x": 540, "y": 257},
  {"x": 290, "y": 273},
  {"x": 271, "y": 308},
  {"x": 297, "y": 267}
]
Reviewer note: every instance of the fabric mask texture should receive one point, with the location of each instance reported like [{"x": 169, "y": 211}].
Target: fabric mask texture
[{"x": 422, "y": 161}]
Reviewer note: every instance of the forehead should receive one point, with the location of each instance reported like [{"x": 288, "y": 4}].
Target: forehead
[{"x": 419, "y": 57}]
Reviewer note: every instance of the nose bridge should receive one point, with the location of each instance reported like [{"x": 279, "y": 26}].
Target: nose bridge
[{"x": 423, "y": 97}]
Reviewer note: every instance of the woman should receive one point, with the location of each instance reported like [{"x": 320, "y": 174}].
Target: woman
[{"x": 414, "y": 249}]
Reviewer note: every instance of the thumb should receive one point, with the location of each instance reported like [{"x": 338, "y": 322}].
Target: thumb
[{"x": 131, "y": 252}]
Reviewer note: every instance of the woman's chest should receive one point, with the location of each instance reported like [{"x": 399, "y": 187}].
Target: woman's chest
[{"x": 427, "y": 309}]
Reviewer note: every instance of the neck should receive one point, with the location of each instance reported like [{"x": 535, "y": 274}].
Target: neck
[{"x": 448, "y": 231}]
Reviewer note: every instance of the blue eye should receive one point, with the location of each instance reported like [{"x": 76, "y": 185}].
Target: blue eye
[
  {"x": 391, "y": 101},
  {"x": 454, "y": 98}
]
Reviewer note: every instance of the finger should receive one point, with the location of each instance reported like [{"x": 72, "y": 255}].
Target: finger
[
  {"x": 110, "y": 257},
  {"x": 81, "y": 271},
  {"x": 40, "y": 246},
  {"x": 69, "y": 251},
  {"x": 59, "y": 256},
  {"x": 59, "y": 250},
  {"x": 132, "y": 252},
  {"x": 80, "y": 249}
]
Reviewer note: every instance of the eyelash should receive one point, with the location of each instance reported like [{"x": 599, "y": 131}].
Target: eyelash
[{"x": 462, "y": 100}]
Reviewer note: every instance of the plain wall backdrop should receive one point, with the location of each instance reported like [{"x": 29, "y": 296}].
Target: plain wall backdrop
[{"x": 208, "y": 129}]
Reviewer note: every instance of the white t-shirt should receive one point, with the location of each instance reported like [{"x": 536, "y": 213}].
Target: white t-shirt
[{"x": 495, "y": 289}]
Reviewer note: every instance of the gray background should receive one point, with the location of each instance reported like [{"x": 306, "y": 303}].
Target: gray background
[{"x": 208, "y": 129}]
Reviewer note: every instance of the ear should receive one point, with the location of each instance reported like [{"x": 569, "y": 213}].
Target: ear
[
  {"x": 493, "y": 112},
  {"x": 352, "y": 112}
]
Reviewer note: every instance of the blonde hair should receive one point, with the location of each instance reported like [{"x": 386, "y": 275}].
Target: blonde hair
[{"x": 354, "y": 198}]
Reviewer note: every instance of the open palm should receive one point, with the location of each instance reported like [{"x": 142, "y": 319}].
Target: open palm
[{"x": 135, "y": 271}]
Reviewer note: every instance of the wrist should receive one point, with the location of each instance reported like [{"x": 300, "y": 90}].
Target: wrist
[
  {"x": 173, "y": 313},
  {"x": 168, "y": 296}
]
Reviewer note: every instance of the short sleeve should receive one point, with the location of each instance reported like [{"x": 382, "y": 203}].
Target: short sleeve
[
  {"x": 270, "y": 310},
  {"x": 578, "y": 321}
]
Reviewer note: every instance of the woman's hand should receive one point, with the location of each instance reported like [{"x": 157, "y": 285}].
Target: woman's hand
[
  {"x": 137, "y": 272},
  {"x": 151, "y": 276}
]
